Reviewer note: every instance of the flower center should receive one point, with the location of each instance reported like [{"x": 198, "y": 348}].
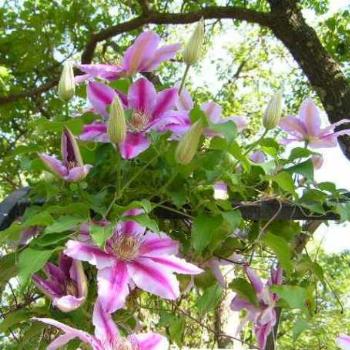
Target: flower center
[
  {"x": 71, "y": 288},
  {"x": 139, "y": 121},
  {"x": 126, "y": 247},
  {"x": 71, "y": 164}
]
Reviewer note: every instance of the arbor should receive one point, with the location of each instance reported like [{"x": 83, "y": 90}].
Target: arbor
[{"x": 170, "y": 183}]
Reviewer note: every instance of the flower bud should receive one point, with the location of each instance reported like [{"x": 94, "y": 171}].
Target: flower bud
[
  {"x": 193, "y": 48},
  {"x": 317, "y": 161},
  {"x": 116, "y": 125},
  {"x": 187, "y": 147},
  {"x": 273, "y": 112},
  {"x": 66, "y": 85}
]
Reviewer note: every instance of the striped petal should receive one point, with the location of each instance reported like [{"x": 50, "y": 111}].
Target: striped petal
[
  {"x": 142, "y": 96},
  {"x": 68, "y": 303},
  {"x": 154, "y": 278},
  {"x": 104, "y": 71},
  {"x": 254, "y": 279},
  {"x": 166, "y": 100},
  {"x": 55, "y": 165},
  {"x": 212, "y": 110},
  {"x": 293, "y": 126},
  {"x": 133, "y": 145},
  {"x": 185, "y": 102},
  {"x": 87, "y": 252},
  {"x": 100, "y": 97},
  {"x": 78, "y": 173},
  {"x": 155, "y": 244},
  {"x": 151, "y": 341},
  {"x": 105, "y": 328},
  {"x": 310, "y": 117},
  {"x": 113, "y": 286},
  {"x": 175, "y": 264},
  {"x": 95, "y": 132}
]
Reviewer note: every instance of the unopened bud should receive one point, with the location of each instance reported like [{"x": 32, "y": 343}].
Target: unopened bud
[
  {"x": 116, "y": 125},
  {"x": 193, "y": 48},
  {"x": 273, "y": 112},
  {"x": 188, "y": 145},
  {"x": 66, "y": 85}
]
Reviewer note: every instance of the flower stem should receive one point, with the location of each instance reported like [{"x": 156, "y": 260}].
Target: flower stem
[{"x": 184, "y": 78}]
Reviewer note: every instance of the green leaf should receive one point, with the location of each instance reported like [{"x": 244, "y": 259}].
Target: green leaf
[
  {"x": 42, "y": 218},
  {"x": 13, "y": 319},
  {"x": 295, "y": 296},
  {"x": 281, "y": 248},
  {"x": 8, "y": 267},
  {"x": 203, "y": 230},
  {"x": 12, "y": 233},
  {"x": 64, "y": 223},
  {"x": 244, "y": 289},
  {"x": 299, "y": 326},
  {"x": 228, "y": 130},
  {"x": 49, "y": 240},
  {"x": 32, "y": 260},
  {"x": 176, "y": 329},
  {"x": 285, "y": 181},
  {"x": 209, "y": 299},
  {"x": 305, "y": 168},
  {"x": 298, "y": 153},
  {"x": 100, "y": 234},
  {"x": 232, "y": 218},
  {"x": 143, "y": 220}
]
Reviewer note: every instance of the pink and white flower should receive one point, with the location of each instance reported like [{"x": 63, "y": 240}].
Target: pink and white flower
[
  {"x": 144, "y": 55},
  {"x": 106, "y": 335},
  {"x": 133, "y": 256},
  {"x": 343, "y": 341},
  {"x": 72, "y": 168},
  {"x": 306, "y": 126},
  {"x": 147, "y": 110},
  {"x": 262, "y": 315},
  {"x": 66, "y": 285},
  {"x": 220, "y": 190},
  {"x": 258, "y": 157}
]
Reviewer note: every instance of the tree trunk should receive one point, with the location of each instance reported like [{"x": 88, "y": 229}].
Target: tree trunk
[{"x": 324, "y": 73}]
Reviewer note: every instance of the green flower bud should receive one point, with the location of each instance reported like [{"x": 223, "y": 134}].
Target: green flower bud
[
  {"x": 66, "y": 85},
  {"x": 193, "y": 48},
  {"x": 116, "y": 125},
  {"x": 273, "y": 112},
  {"x": 188, "y": 145}
]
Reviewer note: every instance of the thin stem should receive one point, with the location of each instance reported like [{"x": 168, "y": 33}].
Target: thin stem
[{"x": 184, "y": 78}]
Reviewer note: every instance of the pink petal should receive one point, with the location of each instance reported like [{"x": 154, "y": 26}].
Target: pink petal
[
  {"x": 214, "y": 266},
  {"x": 78, "y": 173},
  {"x": 68, "y": 303},
  {"x": 166, "y": 100},
  {"x": 113, "y": 286},
  {"x": 133, "y": 145},
  {"x": 178, "y": 122},
  {"x": 151, "y": 341},
  {"x": 158, "y": 244},
  {"x": 323, "y": 142},
  {"x": 294, "y": 127},
  {"x": 55, "y": 165},
  {"x": 50, "y": 288},
  {"x": 258, "y": 157},
  {"x": 154, "y": 278},
  {"x": 309, "y": 115},
  {"x": 104, "y": 71},
  {"x": 140, "y": 51},
  {"x": 238, "y": 303},
  {"x": 343, "y": 341},
  {"x": 185, "y": 102},
  {"x": 212, "y": 110},
  {"x": 142, "y": 96},
  {"x": 241, "y": 122},
  {"x": 100, "y": 97},
  {"x": 77, "y": 275},
  {"x": 174, "y": 264},
  {"x": 87, "y": 252},
  {"x": 261, "y": 333},
  {"x": 162, "y": 54},
  {"x": 105, "y": 328},
  {"x": 70, "y": 333},
  {"x": 254, "y": 279},
  {"x": 95, "y": 132},
  {"x": 81, "y": 78}
]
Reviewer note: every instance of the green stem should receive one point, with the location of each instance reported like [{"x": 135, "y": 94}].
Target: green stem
[{"x": 184, "y": 78}]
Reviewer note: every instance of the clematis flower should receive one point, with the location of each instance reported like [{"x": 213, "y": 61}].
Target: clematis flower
[
  {"x": 220, "y": 190},
  {"x": 133, "y": 256},
  {"x": 343, "y": 341},
  {"x": 307, "y": 127},
  {"x": 262, "y": 315},
  {"x": 106, "y": 335},
  {"x": 66, "y": 285},
  {"x": 72, "y": 168},
  {"x": 212, "y": 110},
  {"x": 147, "y": 110},
  {"x": 258, "y": 157},
  {"x": 144, "y": 55}
]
